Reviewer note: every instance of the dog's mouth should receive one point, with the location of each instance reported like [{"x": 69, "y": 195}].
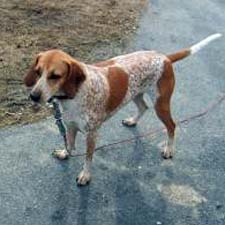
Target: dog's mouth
[{"x": 60, "y": 97}]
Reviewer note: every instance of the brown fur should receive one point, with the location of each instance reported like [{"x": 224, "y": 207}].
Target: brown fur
[
  {"x": 179, "y": 55},
  {"x": 118, "y": 85},
  {"x": 105, "y": 63},
  {"x": 57, "y": 62},
  {"x": 165, "y": 88},
  {"x": 73, "y": 79},
  {"x": 31, "y": 77}
]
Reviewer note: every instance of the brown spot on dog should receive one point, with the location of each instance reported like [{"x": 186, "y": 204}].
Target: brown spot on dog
[
  {"x": 75, "y": 77},
  {"x": 118, "y": 85},
  {"x": 165, "y": 89},
  {"x": 104, "y": 63}
]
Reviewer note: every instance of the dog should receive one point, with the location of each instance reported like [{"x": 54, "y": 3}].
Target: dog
[{"x": 89, "y": 94}]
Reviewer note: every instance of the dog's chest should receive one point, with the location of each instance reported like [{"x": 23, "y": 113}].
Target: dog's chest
[
  {"x": 87, "y": 110},
  {"x": 73, "y": 114}
]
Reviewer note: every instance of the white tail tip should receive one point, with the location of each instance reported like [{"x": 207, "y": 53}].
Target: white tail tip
[{"x": 197, "y": 47}]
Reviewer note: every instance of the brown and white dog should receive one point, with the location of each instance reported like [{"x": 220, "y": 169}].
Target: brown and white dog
[{"x": 90, "y": 94}]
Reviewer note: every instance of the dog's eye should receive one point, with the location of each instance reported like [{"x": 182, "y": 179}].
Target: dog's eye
[{"x": 54, "y": 76}]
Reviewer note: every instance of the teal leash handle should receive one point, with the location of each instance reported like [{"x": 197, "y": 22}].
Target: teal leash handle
[{"x": 59, "y": 121}]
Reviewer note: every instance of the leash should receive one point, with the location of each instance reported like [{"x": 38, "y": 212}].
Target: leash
[
  {"x": 58, "y": 120},
  {"x": 153, "y": 133}
]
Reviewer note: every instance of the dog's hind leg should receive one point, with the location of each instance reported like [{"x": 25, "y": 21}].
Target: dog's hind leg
[
  {"x": 165, "y": 88},
  {"x": 141, "y": 106}
]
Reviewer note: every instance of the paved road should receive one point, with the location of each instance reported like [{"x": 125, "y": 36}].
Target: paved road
[{"x": 132, "y": 185}]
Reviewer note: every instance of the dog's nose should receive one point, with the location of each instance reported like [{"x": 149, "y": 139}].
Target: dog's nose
[{"x": 35, "y": 98}]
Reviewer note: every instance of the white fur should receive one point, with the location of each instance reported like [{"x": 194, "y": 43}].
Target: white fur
[
  {"x": 197, "y": 47},
  {"x": 85, "y": 175}
]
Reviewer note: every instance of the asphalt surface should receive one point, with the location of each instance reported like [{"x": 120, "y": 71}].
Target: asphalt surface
[{"x": 131, "y": 183}]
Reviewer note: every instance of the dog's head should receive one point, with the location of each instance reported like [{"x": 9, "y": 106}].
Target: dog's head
[{"x": 54, "y": 74}]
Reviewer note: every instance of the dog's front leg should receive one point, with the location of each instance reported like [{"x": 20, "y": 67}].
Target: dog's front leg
[
  {"x": 70, "y": 138},
  {"x": 85, "y": 175}
]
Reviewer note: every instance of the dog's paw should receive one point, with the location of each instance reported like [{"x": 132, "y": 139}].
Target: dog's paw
[
  {"x": 129, "y": 122},
  {"x": 83, "y": 178},
  {"x": 61, "y": 154},
  {"x": 167, "y": 152}
]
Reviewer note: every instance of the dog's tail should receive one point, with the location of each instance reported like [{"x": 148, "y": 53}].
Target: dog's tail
[{"x": 193, "y": 49}]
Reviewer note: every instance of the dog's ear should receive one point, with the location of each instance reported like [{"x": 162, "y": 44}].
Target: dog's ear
[
  {"x": 31, "y": 77},
  {"x": 74, "y": 78}
]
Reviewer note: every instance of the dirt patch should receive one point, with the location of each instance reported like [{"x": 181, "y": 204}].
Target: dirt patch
[
  {"x": 182, "y": 195},
  {"x": 88, "y": 30}
]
